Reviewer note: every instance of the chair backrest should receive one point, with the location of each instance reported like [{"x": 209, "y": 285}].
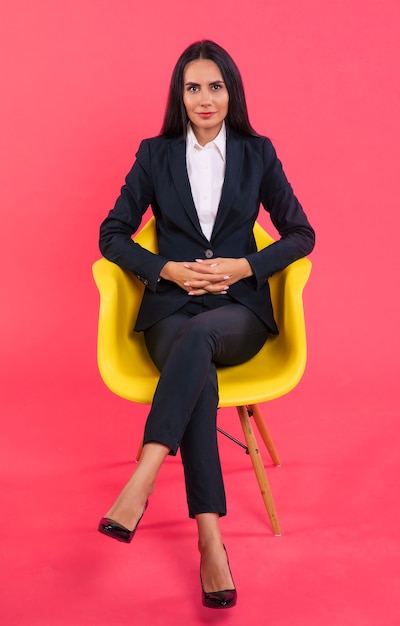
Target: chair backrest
[{"x": 128, "y": 371}]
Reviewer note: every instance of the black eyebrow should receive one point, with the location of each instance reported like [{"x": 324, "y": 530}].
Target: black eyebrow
[{"x": 214, "y": 82}]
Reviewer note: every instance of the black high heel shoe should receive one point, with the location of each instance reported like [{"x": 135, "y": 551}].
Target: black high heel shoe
[
  {"x": 225, "y": 599},
  {"x": 112, "y": 529}
]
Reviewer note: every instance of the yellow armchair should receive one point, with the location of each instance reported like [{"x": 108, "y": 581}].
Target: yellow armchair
[{"x": 129, "y": 372}]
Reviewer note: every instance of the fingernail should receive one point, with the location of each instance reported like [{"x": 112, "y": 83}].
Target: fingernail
[
  {"x": 199, "y": 260},
  {"x": 187, "y": 284},
  {"x": 191, "y": 293},
  {"x": 226, "y": 277}
]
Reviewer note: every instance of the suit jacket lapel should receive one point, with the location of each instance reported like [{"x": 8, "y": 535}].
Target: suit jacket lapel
[
  {"x": 177, "y": 161},
  {"x": 234, "y": 164}
]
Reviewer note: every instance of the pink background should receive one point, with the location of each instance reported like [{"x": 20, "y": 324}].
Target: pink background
[{"x": 82, "y": 82}]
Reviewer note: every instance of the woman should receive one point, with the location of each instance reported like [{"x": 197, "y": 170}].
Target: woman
[{"x": 207, "y": 299}]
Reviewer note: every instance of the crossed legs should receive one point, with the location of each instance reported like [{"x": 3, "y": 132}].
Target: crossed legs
[{"x": 185, "y": 348}]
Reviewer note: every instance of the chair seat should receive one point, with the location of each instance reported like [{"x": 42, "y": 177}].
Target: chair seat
[{"x": 273, "y": 372}]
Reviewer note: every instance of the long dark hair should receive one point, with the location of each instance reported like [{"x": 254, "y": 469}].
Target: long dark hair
[{"x": 176, "y": 119}]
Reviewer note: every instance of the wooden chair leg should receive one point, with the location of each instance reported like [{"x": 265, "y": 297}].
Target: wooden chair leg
[
  {"x": 263, "y": 430},
  {"x": 259, "y": 468}
]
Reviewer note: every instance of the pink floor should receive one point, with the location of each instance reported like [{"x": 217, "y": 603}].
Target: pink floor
[{"x": 69, "y": 448}]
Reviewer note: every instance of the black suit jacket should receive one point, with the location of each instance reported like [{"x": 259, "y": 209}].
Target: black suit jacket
[{"x": 159, "y": 178}]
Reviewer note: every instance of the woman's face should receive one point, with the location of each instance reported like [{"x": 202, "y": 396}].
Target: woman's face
[{"x": 206, "y": 98}]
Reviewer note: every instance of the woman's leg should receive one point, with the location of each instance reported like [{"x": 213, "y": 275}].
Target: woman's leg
[
  {"x": 235, "y": 335},
  {"x": 214, "y": 568},
  {"x": 200, "y": 455},
  {"x": 130, "y": 504}
]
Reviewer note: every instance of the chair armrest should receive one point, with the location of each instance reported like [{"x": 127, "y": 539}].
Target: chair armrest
[{"x": 119, "y": 348}]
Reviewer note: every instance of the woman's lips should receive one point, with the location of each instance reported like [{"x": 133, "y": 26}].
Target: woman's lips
[{"x": 205, "y": 116}]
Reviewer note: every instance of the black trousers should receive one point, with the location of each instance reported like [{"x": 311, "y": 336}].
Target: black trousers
[{"x": 186, "y": 347}]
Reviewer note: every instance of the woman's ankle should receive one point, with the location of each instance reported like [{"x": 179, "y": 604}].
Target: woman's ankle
[{"x": 209, "y": 534}]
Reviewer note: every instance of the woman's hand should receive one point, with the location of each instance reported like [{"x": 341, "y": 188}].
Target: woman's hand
[{"x": 206, "y": 276}]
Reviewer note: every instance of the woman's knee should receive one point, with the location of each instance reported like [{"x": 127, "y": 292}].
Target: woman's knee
[{"x": 197, "y": 331}]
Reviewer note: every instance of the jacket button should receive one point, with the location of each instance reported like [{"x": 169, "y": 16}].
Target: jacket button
[{"x": 208, "y": 254}]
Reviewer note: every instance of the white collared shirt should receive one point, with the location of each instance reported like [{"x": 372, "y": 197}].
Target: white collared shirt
[{"x": 206, "y": 171}]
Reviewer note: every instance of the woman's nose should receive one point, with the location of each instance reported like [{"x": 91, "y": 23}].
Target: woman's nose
[{"x": 205, "y": 98}]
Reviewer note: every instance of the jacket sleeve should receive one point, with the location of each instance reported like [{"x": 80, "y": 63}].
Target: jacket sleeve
[
  {"x": 297, "y": 237},
  {"x": 124, "y": 219}
]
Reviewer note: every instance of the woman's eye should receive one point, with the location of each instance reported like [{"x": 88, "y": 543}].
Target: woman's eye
[
  {"x": 216, "y": 87},
  {"x": 193, "y": 88}
]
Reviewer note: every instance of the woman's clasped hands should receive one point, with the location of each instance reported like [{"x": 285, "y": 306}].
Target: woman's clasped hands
[{"x": 213, "y": 276}]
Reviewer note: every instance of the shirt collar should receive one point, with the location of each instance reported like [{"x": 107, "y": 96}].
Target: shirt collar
[{"x": 219, "y": 141}]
